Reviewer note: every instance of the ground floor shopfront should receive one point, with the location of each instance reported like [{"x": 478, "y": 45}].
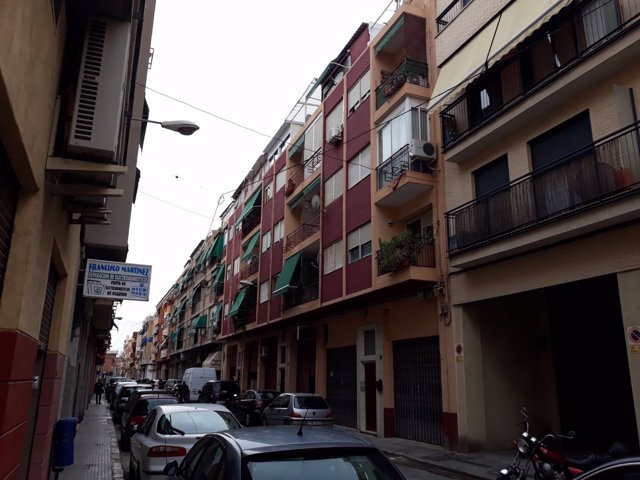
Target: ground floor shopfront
[
  {"x": 551, "y": 330},
  {"x": 383, "y": 367}
]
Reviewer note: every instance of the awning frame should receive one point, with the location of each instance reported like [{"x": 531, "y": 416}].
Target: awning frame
[{"x": 283, "y": 284}]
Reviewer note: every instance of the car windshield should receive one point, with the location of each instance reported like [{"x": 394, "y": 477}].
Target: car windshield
[
  {"x": 200, "y": 421},
  {"x": 311, "y": 402},
  {"x": 318, "y": 465},
  {"x": 268, "y": 395}
]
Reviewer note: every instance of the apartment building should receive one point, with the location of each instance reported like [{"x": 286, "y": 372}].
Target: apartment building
[
  {"x": 536, "y": 112},
  {"x": 68, "y": 152}
]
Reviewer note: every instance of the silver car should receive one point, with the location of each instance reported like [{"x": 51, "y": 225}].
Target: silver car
[
  {"x": 294, "y": 408},
  {"x": 169, "y": 432}
]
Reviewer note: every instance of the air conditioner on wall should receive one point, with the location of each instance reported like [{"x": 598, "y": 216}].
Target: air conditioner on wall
[
  {"x": 335, "y": 134},
  {"x": 99, "y": 101},
  {"x": 422, "y": 149}
]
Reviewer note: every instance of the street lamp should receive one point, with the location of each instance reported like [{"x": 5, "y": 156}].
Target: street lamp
[{"x": 184, "y": 127}]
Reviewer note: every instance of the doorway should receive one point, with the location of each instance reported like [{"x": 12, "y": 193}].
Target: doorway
[{"x": 371, "y": 424}]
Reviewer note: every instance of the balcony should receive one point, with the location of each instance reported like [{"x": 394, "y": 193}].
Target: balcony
[
  {"x": 300, "y": 234},
  {"x": 406, "y": 250},
  {"x": 401, "y": 188},
  {"x": 449, "y": 13},
  {"x": 535, "y": 63},
  {"x": 603, "y": 172},
  {"x": 409, "y": 71},
  {"x": 251, "y": 268},
  {"x": 301, "y": 294}
]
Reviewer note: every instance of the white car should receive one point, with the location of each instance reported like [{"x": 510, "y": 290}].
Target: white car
[{"x": 170, "y": 431}]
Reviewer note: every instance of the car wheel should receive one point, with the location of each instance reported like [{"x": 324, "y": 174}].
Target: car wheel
[{"x": 247, "y": 420}]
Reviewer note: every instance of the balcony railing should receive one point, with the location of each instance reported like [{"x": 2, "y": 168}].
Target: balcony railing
[
  {"x": 304, "y": 231},
  {"x": 301, "y": 295},
  {"x": 594, "y": 175},
  {"x": 425, "y": 256},
  {"x": 250, "y": 222},
  {"x": 399, "y": 163},
  {"x": 409, "y": 71},
  {"x": 546, "y": 57},
  {"x": 251, "y": 268},
  {"x": 451, "y": 12}
]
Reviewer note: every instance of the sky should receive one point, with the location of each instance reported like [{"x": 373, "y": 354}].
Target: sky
[{"x": 215, "y": 62}]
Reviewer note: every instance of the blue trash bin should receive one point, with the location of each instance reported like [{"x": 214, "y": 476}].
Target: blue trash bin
[{"x": 64, "y": 434}]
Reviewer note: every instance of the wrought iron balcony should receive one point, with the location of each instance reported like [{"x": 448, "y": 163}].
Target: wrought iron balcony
[
  {"x": 304, "y": 231},
  {"x": 409, "y": 71},
  {"x": 250, "y": 222},
  {"x": 607, "y": 169},
  {"x": 546, "y": 57},
  {"x": 451, "y": 12},
  {"x": 399, "y": 163},
  {"x": 300, "y": 295},
  {"x": 251, "y": 268}
]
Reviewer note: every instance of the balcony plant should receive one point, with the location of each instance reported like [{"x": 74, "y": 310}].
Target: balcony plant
[{"x": 401, "y": 251}]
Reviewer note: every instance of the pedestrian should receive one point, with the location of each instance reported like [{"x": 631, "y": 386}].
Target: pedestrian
[
  {"x": 98, "y": 389},
  {"x": 183, "y": 392}
]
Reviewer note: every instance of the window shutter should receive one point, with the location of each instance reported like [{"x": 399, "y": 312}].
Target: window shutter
[{"x": 491, "y": 176}]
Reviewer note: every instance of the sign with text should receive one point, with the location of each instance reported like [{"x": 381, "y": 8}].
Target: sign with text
[{"x": 117, "y": 281}]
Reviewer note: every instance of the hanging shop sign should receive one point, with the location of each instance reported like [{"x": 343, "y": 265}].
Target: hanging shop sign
[{"x": 117, "y": 281}]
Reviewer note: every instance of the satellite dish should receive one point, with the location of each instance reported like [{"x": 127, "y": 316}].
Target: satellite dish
[{"x": 315, "y": 202}]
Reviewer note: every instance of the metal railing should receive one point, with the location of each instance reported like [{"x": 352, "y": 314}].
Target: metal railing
[
  {"x": 451, "y": 12},
  {"x": 426, "y": 257},
  {"x": 304, "y": 231},
  {"x": 250, "y": 222},
  {"x": 296, "y": 179},
  {"x": 399, "y": 163},
  {"x": 409, "y": 71},
  {"x": 300, "y": 295},
  {"x": 251, "y": 268},
  {"x": 507, "y": 82},
  {"x": 588, "y": 177}
]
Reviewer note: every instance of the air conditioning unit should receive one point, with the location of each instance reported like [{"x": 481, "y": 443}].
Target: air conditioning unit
[
  {"x": 335, "y": 134},
  {"x": 264, "y": 351},
  {"x": 422, "y": 149},
  {"x": 99, "y": 101}
]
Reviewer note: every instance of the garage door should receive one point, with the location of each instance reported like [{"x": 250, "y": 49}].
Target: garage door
[{"x": 341, "y": 385}]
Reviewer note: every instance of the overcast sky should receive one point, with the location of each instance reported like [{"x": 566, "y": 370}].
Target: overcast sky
[{"x": 243, "y": 61}]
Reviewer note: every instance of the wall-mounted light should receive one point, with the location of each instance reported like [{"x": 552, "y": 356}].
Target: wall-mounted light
[{"x": 183, "y": 127}]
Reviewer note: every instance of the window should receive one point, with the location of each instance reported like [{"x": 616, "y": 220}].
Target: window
[
  {"x": 266, "y": 241},
  {"x": 369, "y": 342},
  {"x": 333, "y": 187},
  {"x": 491, "y": 176},
  {"x": 359, "y": 167},
  {"x": 359, "y": 243},
  {"x": 334, "y": 121},
  {"x": 359, "y": 92},
  {"x": 278, "y": 231},
  {"x": 264, "y": 291},
  {"x": 236, "y": 266},
  {"x": 333, "y": 257},
  {"x": 230, "y": 233},
  {"x": 313, "y": 139},
  {"x": 268, "y": 192},
  {"x": 280, "y": 177},
  {"x": 225, "y": 237},
  {"x": 226, "y": 309},
  {"x": 398, "y": 132},
  {"x": 228, "y": 272}
]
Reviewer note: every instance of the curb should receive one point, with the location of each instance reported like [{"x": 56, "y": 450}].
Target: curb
[{"x": 116, "y": 460}]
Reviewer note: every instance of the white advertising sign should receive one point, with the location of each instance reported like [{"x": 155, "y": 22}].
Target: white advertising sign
[{"x": 117, "y": 281}]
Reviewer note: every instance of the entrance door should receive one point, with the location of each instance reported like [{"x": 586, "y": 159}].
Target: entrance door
[
  {"x": 342, "y": 385},
  {"x": 370, "y": 397},
  {"x": 417, "y": 390}
]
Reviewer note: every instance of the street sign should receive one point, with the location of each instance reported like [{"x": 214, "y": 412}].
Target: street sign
[
  {"x": 116, "y": 281},
  {"x": 633, "y": 337}
]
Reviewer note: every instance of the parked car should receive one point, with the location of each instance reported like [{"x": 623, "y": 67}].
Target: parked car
[
  {"x": 110, "y": 386},
  {"x": 195, "y": 378},
  {"x": 170, "y": 431},
  {"x": 219, "y": 391},
  {"x": 168, "y": 385},
  {"x": 137, "y": 409},
  {"x": 249, "y": 406},
  {"x": 116, "y": 391},
  {"x": 123, "y": 398},
  {"x": 281, "y": 453},
  {"x": 293, "y": 408}
]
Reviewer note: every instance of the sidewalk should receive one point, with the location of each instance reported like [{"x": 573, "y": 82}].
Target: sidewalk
[{"x": 96, "y": 453}]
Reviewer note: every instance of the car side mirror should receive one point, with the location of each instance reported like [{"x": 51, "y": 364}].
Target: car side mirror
[{"x": 171, "y": 469}]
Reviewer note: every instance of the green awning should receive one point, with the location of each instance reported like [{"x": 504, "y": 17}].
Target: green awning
[
  {"x": 237, "y": 303},
  {"x": 201, "y": 322},
  {"x": 295, "y": 201},
  {"x": 250, "y": 245},
  {"x": 248, "y": 207},
  {"x": 174, "y": 336},
  {"x": 311, "y": 186},
  {"x": 202, "y": 257},
  {"x": 219, "y": 275},
  {"x": 284, "y": 279},
  {"x": 389, "y": 35},
  {"x": 296, "y": 146},
  {"x": 216, "y": 248}
]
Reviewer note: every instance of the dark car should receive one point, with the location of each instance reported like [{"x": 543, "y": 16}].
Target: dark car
[
  {"x": 248, "y": 408},
  {"x": 283, "y": 453},
  {"x": 219, "y": 391},
  {"x": 137, "y": 409},
  {"x": 123, "y": 398}
]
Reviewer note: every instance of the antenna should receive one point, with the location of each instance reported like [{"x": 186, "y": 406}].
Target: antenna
[{"x": 302, "y": 423}]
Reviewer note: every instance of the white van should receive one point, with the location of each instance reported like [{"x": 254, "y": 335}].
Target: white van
[{"x": 195, "y": 378}]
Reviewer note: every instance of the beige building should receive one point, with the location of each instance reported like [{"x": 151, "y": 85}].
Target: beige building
[{"x": 536, "y": 107}]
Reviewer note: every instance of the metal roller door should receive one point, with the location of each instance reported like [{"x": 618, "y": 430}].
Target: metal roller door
[
  {"x": 417, "y": 390},
  {"x": 8, "y": 201},
  {"x": 342, "y": 385}
]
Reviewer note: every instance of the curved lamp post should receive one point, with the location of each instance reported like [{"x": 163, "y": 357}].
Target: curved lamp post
[{"x": 183, "y": 127}]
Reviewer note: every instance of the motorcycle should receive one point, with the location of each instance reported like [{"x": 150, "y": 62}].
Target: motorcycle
[{"x": 546, "y": 462}]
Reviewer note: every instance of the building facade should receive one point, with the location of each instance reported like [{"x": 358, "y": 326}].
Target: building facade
[
  {"x": 536, "y": 112},
  {"x": 66, "y": 190}
]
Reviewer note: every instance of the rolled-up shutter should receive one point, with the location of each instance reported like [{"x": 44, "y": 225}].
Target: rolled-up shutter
[{"x": 8, "y": 201}]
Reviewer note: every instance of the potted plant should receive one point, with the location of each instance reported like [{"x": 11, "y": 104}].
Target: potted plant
[{"x": 400, "y": 251}]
